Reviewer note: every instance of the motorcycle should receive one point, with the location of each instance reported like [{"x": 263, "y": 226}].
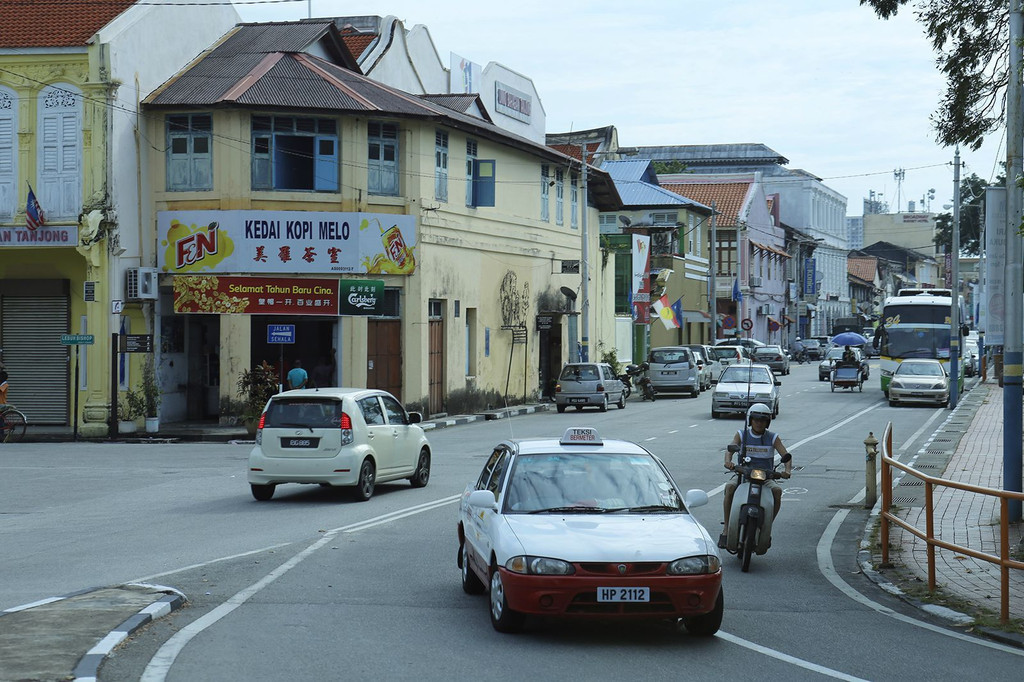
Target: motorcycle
[
  {"x": 627, "y": 385},
  {"x": 751, "y": 514},
  {"x": 641, "y": 380}
]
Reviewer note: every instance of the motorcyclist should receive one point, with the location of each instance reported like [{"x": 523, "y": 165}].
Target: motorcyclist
[
  {"x": 797, "y": 350},
  {"x": 760, "y": 446}
]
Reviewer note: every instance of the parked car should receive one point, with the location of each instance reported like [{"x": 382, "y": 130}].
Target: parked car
[
  {"x": 869, "y": 347},
  {"x": 730, "y": 355},
  {"x": 773, "y": 356},
  {"x": 834, "y": 355},
  {"x": 740, "y": 386},
  {"x": 919, "y": 380},
  {"x": 589, "y": 384},
  {"x": 581, "y": 527},
  {"x": 971, "y": 357},
  {"x": 351, "y": 437},
  {"x": 673, "y": 369},
  {"x": 705, "y": 368},
  {"x": 813, "y": 348}
]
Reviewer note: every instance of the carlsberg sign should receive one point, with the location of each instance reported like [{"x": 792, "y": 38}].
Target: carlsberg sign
[{"x": 361, "y": 296}]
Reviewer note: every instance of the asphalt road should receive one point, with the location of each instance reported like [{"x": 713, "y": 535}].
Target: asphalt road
[{"x": 313, "y": 586}]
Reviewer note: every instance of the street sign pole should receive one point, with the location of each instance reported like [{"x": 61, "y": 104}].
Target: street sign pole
[{"x": 74, "y": 435}]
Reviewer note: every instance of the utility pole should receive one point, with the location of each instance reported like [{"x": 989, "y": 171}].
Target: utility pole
[
  {"x": 954, "y": 313},
  {"x": 584, "y": 266},
  {"x": 1014, "y": 274},
  {"x": 713, "y": 257}
]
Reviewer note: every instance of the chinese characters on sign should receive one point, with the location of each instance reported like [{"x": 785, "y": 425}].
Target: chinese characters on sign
[
  {"x": 287, "y": 242},
  {"x": 255, "y": 295}
]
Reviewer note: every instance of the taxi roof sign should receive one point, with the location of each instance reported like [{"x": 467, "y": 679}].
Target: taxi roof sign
[{"x": 581, "y": 435}]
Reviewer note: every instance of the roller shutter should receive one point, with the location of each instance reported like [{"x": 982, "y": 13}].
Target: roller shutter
[{"x": 36, "y": 361}]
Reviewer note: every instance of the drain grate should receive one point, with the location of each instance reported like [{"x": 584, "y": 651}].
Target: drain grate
[
  {"x": 912, "y": 481},
  {"x": 907, "y": 501}
]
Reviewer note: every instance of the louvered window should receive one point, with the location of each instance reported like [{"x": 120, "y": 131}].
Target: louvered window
[
  {"x": 471, "y": 150},
  {"x": 60, "y": 152},
  {"x": 189, "y": 152},
  {"x": 545, "y": 188},
  {"x": 559, "y": 197},
  {"x": 574, "y": 203},
  {"x": 8, "y": 155},
  {"x": 441, "y": 165},
  {"x": 382, "y": 158},
  {"x": 295, "y": 153}
]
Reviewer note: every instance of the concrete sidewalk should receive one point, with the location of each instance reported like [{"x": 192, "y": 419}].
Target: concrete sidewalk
[{"x": 970, "y": 444}]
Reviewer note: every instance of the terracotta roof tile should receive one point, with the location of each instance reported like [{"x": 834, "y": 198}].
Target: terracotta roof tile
[
  {"x": 728, "y": 197},
  {"x": 862, "y": 267},
  {"x": 573, "y": 150},
  {"x": 55, "y": 23},
  {"x": 358, "y": 42}
]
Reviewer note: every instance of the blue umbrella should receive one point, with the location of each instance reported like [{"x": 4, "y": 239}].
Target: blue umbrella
[{"x": 849, "y": 339}]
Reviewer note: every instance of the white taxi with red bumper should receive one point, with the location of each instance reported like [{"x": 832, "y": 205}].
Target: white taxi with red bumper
[{"x": 585, "y": 527}]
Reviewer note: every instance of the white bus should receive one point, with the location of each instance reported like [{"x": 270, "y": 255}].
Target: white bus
[{"x": 915, "y": 324}]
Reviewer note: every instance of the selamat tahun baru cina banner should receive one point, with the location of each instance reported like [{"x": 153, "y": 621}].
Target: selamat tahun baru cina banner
[{"x": 222, "y": 295}]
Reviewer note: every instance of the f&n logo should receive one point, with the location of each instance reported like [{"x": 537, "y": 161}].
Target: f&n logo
[{"x": 194, "y": 247}]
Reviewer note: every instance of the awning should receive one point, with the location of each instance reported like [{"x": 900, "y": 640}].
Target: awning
[{"x": 769, "y": 249}]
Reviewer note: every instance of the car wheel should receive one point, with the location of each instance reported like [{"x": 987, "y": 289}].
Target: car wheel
[
  {"x": 715, "y": 415},
  {"x": 775, "y": 412},
  {"x": 604, "y": 405},
  {"x": 560, "y": 408},
  {"x": 892, "y": 403},
  {"x": 262, "y": 492},
  {"x": 622, "y": 401},
  {"x": 422, "y": 474},
  {"x": 707, "y": 624},
  {"x": 471, "y": 583},
  {"x": 367, "y": 478},
  {"x": 503, "y": 618}
]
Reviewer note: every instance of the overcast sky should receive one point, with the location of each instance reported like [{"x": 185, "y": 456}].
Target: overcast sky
[{"x": 840, "y": 93}]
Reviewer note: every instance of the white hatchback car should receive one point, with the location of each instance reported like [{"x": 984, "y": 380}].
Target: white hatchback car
[{"x": 337, "y": 437}]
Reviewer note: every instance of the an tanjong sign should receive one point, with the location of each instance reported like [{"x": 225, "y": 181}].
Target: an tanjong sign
[
  {"x": 291, "y": 242},
  {"x": 362, "y": 296},
  {"x": 60, "y": 235},
  {"x": 255, "y": 295}
]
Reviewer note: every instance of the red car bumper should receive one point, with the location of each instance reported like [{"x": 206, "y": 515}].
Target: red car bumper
[{"x": 671, "y": 596}]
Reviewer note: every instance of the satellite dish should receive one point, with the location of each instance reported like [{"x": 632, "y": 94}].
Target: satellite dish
[
  {"x": 624, "y": 220},
  {"x": 568, "y": 293}
]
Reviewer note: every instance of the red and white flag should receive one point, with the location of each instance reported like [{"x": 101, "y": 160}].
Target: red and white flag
[{"x": 34, "y": 216}]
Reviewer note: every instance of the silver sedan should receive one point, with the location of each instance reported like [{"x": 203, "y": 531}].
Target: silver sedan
[
  {"x": 919, "y": 380},
  {"x": 740, "y": 386}
]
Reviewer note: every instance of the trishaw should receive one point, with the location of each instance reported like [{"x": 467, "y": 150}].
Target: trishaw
[{"x": 847, "y": 376}]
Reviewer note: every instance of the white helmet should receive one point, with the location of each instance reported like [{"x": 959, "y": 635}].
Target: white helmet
[
  {"x": 759, "y": 410},
  {"x": 798, "y": 338}
]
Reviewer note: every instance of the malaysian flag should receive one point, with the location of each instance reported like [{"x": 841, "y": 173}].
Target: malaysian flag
[{"x": 34, "y": 216}]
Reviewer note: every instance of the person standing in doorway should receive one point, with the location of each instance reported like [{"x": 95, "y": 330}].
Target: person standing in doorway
[{"x": 297, "y": 377}]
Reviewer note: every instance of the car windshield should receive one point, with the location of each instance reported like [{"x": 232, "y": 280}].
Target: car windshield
[
  {"x": 920, "y": 369},
  {"x": 590, "y": 482},
  {"x": 770, "y": 352},
  {"x": 742, "y": 375},
  {"x": 308, "y": 413},
  {"x": 811, "y": 343},
  {"x": 726, "y": 353},
  {"x": 579, "y": 373}
]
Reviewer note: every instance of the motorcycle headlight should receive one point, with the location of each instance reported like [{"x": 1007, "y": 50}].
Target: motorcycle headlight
[
  {"x": 758, "y": 475},
  {"x": 695, "y": 565},
  {"x": 538, "y": 565}
]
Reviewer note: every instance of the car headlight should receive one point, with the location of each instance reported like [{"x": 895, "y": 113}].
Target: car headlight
[
  {"x": 538, "y": 565},
  {"x": 886, "y": 373},
  {"x": 763, "y": 396},
  {"x": 720, "y": 395},
  {"x": 695, "y": 565},
  {"x": 939, "y": 386},
  {"x": 896, "y": 384}
]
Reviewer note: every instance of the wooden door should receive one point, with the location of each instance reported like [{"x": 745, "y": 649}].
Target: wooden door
[
  {"x": 436, "y": 373},
  {"x": 384, "y": 356}
]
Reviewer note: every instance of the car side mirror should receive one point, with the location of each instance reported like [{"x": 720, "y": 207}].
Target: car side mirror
[
  {"x": 778, "y": 383},
  {"x": 483, "y": 499},
  {"x": 695, "y": 498},
  {"x": 415, "y": 417}
]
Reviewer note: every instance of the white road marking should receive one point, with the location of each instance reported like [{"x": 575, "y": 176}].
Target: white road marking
[
  {"x": 807, "y": 665},
  {"x": 160, "y": 665}
]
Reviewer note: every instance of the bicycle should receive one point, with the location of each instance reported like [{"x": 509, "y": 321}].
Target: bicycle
[{"x": 14, "y": 423}]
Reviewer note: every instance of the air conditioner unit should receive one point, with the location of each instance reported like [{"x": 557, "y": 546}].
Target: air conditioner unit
[
  {"x": 755, "y": 281},
  {"x": 141, "y": 284}
]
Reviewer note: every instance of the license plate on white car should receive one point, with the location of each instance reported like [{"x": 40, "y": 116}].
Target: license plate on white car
[
  {"x": 623, "y": 594},
  {"x": 300, "y": 442}
]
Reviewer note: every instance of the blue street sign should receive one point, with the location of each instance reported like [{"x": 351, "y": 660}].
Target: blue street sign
[{"x": 280, "y": 333}]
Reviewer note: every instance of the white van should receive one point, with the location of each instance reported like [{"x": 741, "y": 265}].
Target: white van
[{"x": 673, "y": 369}]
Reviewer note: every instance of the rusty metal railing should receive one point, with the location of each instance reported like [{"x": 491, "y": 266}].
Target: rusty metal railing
[{"x": 1004, "y": 560}]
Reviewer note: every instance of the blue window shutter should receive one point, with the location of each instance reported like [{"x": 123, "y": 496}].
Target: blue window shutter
[
  {"x": 326, "y": 178},
  {"x": 483, "y": 182}
]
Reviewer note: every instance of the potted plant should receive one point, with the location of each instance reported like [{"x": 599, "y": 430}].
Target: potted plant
[
  {"x": 255, "y": 386},
  {"x": 129, "y": 408},
  {"x": 151, "y": 396}
]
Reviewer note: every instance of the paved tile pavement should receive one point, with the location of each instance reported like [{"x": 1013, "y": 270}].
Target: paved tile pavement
[{"x": 965, "y": 518}]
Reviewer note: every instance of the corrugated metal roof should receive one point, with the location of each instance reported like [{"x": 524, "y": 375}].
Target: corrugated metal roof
[
  {"x": 456, "y": 102},
  {"x": 711, "y": 154},
  {"x": 274, "y": 37}
]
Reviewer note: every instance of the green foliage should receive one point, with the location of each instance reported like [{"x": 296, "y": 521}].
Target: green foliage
[
  {"x": 666, "y": 167},
  {"x": 150, "y": 388},
  {"x": 611, "y": 356},
  {"x": 131, "y": 406},
  {"x": 255, "y": 387},
  {"x": 970, "y": 38}
]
